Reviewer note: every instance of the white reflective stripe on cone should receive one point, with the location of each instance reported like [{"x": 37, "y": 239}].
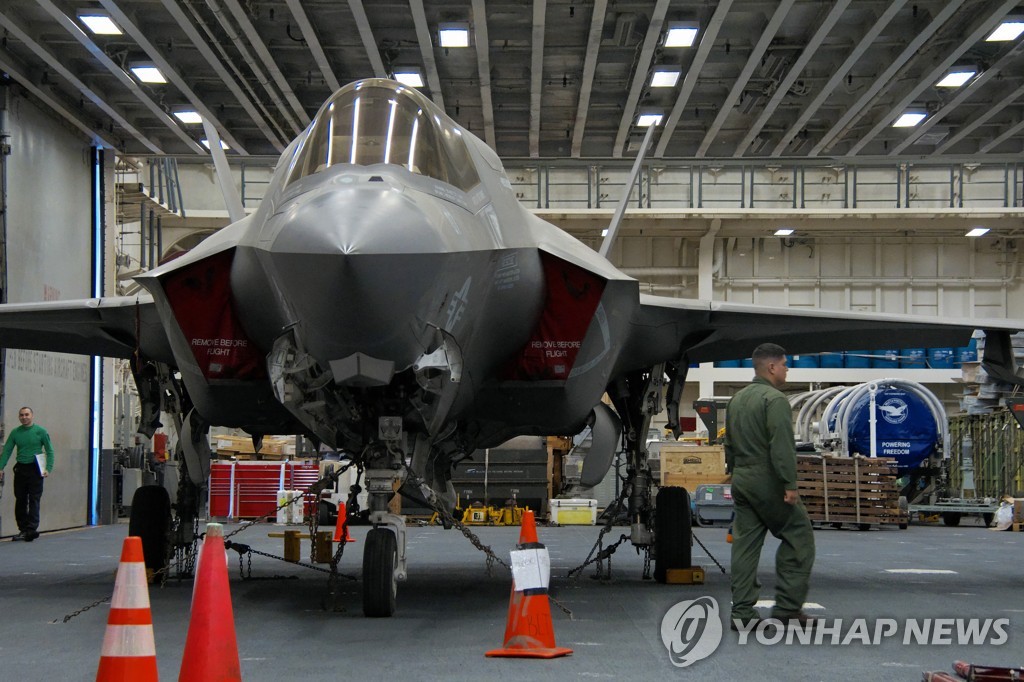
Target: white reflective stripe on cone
[
  {"x": 128, "y": 640},
  {"x": 131, "y": 589}
]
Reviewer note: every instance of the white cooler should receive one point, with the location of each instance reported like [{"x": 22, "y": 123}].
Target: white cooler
[{"x": 574, "y": 512}]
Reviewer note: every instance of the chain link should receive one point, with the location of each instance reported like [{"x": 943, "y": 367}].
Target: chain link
[
  {"x": 80, "y": 611},
  {"x": 708, "y": 552}
]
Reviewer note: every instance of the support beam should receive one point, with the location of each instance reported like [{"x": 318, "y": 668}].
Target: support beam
[
  {"x": 170, "y": 73},
  {"x": 740, "y": 84},
  {"x": 980, "y": 29},
  {"x": 1006, "y": 135},
  {"x": 536, "y": 74},
  {"x": 980, "y": 120},
  {"x": 642, "y": 67},
  {"x": 826, "y": 26},
  {"x": 366, "y": 35},
  {"x": 423, "y": 36},
  {"x": 837, "y": 77},
  {"x": 587, "y": 82},
  {"x": 707, "y": 42},
  {"x": 313, "y": 42},
  {"x": 483, "y": 63}
]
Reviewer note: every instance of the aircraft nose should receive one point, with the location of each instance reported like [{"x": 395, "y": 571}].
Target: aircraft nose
[{"x": 373, "y": 218}]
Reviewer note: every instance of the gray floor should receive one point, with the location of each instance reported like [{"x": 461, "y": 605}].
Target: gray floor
[{"x": 450, "y": 612}]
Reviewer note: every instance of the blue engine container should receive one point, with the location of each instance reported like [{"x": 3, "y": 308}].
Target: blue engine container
[{"x": 905, "y": 427}]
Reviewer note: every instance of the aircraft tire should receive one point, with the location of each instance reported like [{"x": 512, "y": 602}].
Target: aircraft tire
[
  {"x": 673, "y": 534},
  {"x": 150, "y": 520},
  {"x": 904, "y": 506},
  {"x": 951, "y": 518},
  {"x": 380, "y": 584}
]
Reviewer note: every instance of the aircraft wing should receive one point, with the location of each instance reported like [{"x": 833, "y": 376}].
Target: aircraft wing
[
  {"x": 110, "y": 327},
  {"x": 667, "y": 328}
]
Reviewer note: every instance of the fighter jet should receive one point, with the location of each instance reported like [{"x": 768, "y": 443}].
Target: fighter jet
[{"x": 391, "y": 298}]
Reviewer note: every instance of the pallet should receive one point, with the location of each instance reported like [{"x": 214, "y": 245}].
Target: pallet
[
  {"x": 1018, "y": 526},
  {"x": 685, "y": 576},
  {"x": 849, "y": 490}
]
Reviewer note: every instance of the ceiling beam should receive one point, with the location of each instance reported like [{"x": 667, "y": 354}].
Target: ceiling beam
[
  {"x": 642, "y": 67},
  {"x": 1003, "y": 137},
  {"x": 740, "y": 84},
  {"x": 826, "y": 26},
  {"x": 963, "y": 95},
  {"x": 15, "y": 72},
  {"x": 883, "y": 80},
  {"x": 57, "y": 65},
  {"x": 419, "y": 18},
  {"x": 268, "y": 61},
  {"x": 123, "y": 78},
  {"x": 981, "y": 29},
  {"x": 172, "y": 75},
  {"x": 839, "y": 74},
  {"x": 707, "y": 42},
  {"x": 483, "y": 62},
  {"x": 589, "y": 66},
  {"x": 313, "y": 43},
  {"x": 980, "y": 120},
  {"x": 536, "y": 74},
  {"x": 229, "y": 82},
  {"x": 366, "y": 35}
]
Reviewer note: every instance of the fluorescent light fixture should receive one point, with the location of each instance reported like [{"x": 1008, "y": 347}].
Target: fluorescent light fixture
[
  {"x": 977, "y": 232},
  {"x": 147, "y": 73},
  {"x": 453, "y": 35},
  {"x": 99, "y": 23},
  {"x": 648, "y": 120},
  {"x": 665, "y": 79},
  {"x": 223, "y": 144},
  {"x": 604, "y": 232},
  {"x": 681, "y": 34},
  {"x": 189, "y": 117},
  {"x": 784, "y": 231},
  {"x": 1008, "y": 30},
  {"x": 909, "y": 119},
  {"x": 409, "y": 77},
  {"x": 957, "y": 77}
]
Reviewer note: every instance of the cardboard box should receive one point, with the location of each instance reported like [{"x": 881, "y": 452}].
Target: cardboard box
[{"x": 1018, "y": 510}]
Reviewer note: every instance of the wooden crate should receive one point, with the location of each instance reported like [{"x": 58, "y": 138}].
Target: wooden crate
[
  {"x": 691, "y": 482},
  {"x": 692, "y": 460},
  {"x": 856, "y": 489}
]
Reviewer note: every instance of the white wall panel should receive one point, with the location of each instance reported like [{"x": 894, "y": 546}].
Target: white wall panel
[{"x": 48, "y": 257}]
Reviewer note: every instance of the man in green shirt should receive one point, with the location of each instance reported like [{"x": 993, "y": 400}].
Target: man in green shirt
[
  {"x": 29, "y": 472},
  {"x": 760, "y": 453}
]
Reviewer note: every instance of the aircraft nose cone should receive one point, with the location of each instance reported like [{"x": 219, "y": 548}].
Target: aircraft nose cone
[{"x": 368, "y": 218}]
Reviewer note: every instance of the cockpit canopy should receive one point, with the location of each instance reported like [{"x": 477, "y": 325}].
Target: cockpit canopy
[{"x": 381, "y": 121}]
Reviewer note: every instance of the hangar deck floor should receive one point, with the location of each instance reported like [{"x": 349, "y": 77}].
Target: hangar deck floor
[{"x": 450, "y": 612}]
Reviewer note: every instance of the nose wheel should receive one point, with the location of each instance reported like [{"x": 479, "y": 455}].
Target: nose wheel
[{"x": 380, "y": 575}]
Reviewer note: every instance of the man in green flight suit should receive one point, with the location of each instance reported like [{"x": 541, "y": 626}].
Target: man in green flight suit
[
  {"x": 760, "y": 453},
  {"x": 31, "y": 440}
]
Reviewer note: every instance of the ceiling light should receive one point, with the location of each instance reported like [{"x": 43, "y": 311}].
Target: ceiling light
[
  {"x": 409, "y": 77},
  {"x": 453, "y": 35},
  {"x": 681, "y": 34},
  {"x": 957, "y": 77},
  {"x": 977, "y": 232},
  {"x": 664, "y": 79},
  {"x": 910, "y": 119},
  {"x": 648, "y": 120},
  {"x": 223, "y": 144},
  {"x": 147, "y": 73},
  {"x": 190, "y": 117},
  {"x": 1008, "y": 30},
  {"x": 99, "y": 23},
  {"x": 784, "y": 231}
]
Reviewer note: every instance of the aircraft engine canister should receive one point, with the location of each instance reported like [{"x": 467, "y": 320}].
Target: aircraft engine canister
[{"x": 905, "y": 427}]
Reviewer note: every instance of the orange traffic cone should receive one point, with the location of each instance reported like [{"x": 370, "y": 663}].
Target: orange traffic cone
[
  {"x": 529, "y": 632},
  {"x": 129, "y": 650},
  {"x": 211, "y": 650},
  {"x": 341, "y": 529}
]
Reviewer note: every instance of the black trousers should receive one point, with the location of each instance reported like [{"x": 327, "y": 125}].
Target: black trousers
[{"x": 28, "y": 488}]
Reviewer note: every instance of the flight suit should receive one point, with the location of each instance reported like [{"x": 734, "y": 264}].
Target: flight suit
[{"x": 761, "y": 455}]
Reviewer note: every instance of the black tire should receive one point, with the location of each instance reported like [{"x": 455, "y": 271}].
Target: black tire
[
  {"x": 837, "y": 526},
  {"x": 380, "y": 584},
  {"x": 863, "y": 526},
  {"x": 151, "y": 520},
  {"x": 673, "y": 535},
  {"x": 904, "y": 512},
  {"x": 951, "y": 519},
  {"x": 988, "y": 518},
  {"x": 326, "y": 514}
]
